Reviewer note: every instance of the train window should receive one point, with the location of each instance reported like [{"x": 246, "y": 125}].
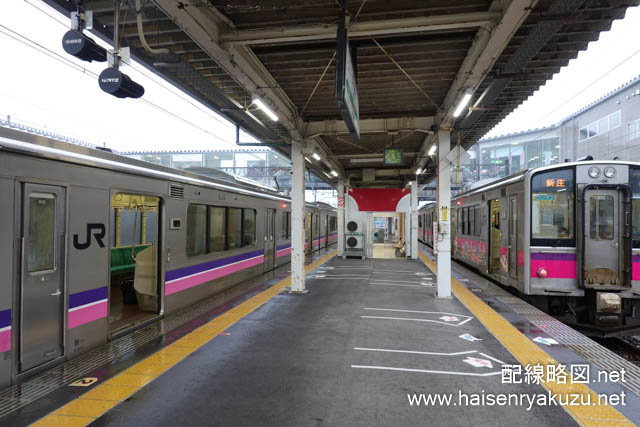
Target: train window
[
  {"x": 478, "y": 217},
  {"x": 463, "y": 219},
  {"x": 284, "y": 227},
  {"x": 552, "y": 208},
  {"x": 420, "y": 221},
  {"x": 196, "y": 229},
  {"x": 42, "y": 220},
  {"x": 471, "y": 230},
  {"x": 235, "y": 228},
  {"x": 601, "y": 213},
  {"x": 249, "y": 229},
  {"x": 217, "y": 229}
]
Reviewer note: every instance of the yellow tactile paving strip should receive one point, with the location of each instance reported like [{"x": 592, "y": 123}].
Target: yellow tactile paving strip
[
  {"x": 528, "y": 353},
  {"x": 104, "y": 397}
]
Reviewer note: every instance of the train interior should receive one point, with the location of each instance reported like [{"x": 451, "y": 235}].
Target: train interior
[
  {"x": 388, "y": 234},
  {"x": 133, "y": 291},
  {"x": 494, "y": 235}
]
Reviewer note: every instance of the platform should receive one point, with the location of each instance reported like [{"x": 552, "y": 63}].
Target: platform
[{"x": 360, "y": 348}]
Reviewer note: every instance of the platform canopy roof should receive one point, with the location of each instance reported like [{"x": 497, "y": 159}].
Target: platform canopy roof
[{"x": 415, "y": 60}]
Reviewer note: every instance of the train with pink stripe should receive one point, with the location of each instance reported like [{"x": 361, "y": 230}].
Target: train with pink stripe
[
  {"x": 565, "y": 237},
  {"x": 96, "y": 245}
]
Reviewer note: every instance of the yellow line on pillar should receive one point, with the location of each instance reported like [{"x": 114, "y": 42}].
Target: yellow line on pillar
[
  {"x": 87, "y": 408},
  {"x": 528, "y": 353}
]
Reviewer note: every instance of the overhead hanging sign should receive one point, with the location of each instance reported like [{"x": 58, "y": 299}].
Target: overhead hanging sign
[{"x": 346, "y": 88}]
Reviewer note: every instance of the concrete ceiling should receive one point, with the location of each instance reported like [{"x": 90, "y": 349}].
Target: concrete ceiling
[{"x": 415, "y": 60}]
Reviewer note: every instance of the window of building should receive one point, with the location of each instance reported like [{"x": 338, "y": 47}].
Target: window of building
[
  {"x": 217, "y": 229},
  {"x": 196, "y": 230},
  {"x": 603, "y": 125},
  {"x": 552, "y": 208},
  {"x": 633, "y": 129}
]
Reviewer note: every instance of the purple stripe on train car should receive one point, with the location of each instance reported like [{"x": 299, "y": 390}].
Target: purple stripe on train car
[
  {"x": 285, "y": 246},
  {"x": 87, "y": 297},
  {"x": 198, "y": 268},
  {"x": 554, "y": 256},
  {"x": 5, "y": 330},
  {"x": 203, "y": 275},
  {"x": 635, "y": 267},
  {"x": 88, "y": 306}
]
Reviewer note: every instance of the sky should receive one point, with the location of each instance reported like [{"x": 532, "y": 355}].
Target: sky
[
  {"x": 60, "y": 93},
  {"x": 607, "y": 63}
]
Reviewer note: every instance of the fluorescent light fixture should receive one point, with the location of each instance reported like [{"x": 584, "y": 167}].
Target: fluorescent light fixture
[
  {"x": 463, "y": 103},
  {"x": 432, "y": 150},
  {"x": 307, "y": 159},
  {"x": 418, "y": 171},
  {"x": 367, "y": 160},
  {"x": 316, "y": 156},
  {"x": 261, "y": 105},
  {"x": 334, "y": 173}
]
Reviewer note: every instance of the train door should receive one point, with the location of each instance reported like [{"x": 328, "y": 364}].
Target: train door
[
  {"x": 42, "y": 277},
  {"x": 134, "y": 263},
  {"x": 494, "y": 236},
  {"x": 513, "y": 237},
  {"x": 326, "y": 231},
  {"x": 269, "y": 239},
  {"x": 309, "y": 232},
  {"x": 602, "y": 236}
]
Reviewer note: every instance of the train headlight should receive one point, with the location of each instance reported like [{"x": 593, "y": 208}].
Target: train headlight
[
  {"x": 594, "y": 172},
  {"x": 542, "y": 272},
  {"x": 609, "y": 172}
]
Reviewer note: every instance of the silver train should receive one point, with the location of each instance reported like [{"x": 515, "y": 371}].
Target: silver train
[
  {"x": 566, "y": 237},
  {"x": 95, "y": 245}
]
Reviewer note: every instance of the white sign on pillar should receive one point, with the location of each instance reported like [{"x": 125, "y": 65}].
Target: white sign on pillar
[
  {"x": 297, "y": 219},
  {"x": 443, "y": 207}
]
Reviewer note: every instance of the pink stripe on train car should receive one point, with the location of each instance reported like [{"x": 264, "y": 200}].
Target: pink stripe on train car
[
  {"x": 84, "y": 314},
  {"x": 635, "y": 267},
  {"x": 558, "y": 265},
  {"x": 178, "y": 285},
  {"x": 5, "y": 339}
]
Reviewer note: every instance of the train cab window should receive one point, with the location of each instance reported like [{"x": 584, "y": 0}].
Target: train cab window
[
  {"x": 196, "y": 230},
  {"x": 601, "y": 211},
  {"x": 249, "y": 228},
  {"x": 552, "y": 208},
  {"x": 235, "y": 228},
  {"x": 217, "y": 229}
]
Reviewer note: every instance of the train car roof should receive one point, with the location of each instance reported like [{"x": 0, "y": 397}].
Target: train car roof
[{"x": 12, "y": 140}]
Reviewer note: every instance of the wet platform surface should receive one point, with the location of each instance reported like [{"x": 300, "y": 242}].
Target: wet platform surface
[
  {"x": 367, "y": 345},
  {"x": 368, "y": 334}
]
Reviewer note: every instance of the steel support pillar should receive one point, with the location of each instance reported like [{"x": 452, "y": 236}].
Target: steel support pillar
[
  {"x": 297, "y": 219},
  {"x": 414, "y": 220},
  {"x": 341, "y": 202},
  {"x": 444, "y": 215}
]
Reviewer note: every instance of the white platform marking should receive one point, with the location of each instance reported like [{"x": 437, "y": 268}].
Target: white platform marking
[
  {"x": 417, "y": 311},
  {"x": 478, "y": 363},
  {"x": 469, "y": 337},
  {"x": 545, "y": 341},
  {"x": 425, "y": 371},
  {"x": 429, "y": 353},
  {"x": 493, "y": 358}
]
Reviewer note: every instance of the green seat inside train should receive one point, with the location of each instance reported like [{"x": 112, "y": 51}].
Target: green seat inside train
[{"x": 121, "y": 261}]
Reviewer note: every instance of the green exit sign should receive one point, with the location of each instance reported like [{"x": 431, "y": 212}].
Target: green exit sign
[{"x": 393, "y": 156}]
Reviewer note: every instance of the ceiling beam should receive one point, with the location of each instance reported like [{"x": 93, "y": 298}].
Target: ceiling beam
[
  {"x": 371, "y": 126},
  {"x": 360, "y": 29},
  {"x": 203, "y": 25},
  {"x": 484, "y": 52}
]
